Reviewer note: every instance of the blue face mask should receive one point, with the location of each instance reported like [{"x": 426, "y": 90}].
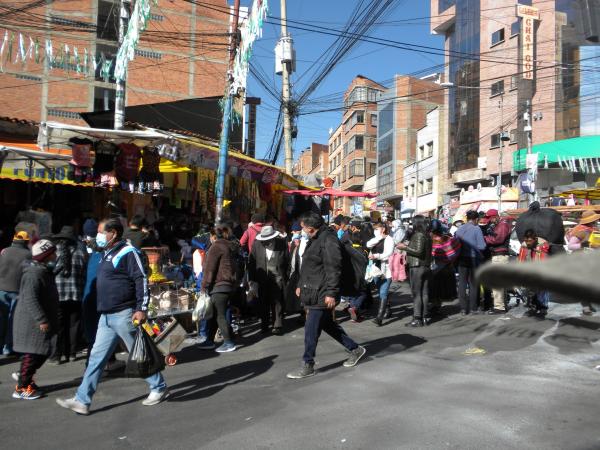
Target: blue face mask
[
  {"x": 340, "y": 233},
  {"x": 101, "y": 241}
]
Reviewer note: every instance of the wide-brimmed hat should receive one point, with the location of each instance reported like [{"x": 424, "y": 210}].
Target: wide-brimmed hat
[
  {"x": 588, "y": 217},
  {"x": 66, "y": 232},
  {"x": 42, "y": 249},
  {"x": 267, "y": 233}
]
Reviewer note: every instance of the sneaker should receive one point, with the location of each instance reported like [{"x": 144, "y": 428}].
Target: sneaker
[
  {"x": 307, "y": 370},
  {"x": 28, "y": 393},
  {"x": 74, "y": 405},
  {"x": 206, "y": 346},
  {"x": 156, "y": 397},
  {"x": 355, "y": 356},
  {"x": 226, "y": 348}
]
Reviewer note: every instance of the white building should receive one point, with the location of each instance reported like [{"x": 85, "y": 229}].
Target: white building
[{"x": 421, "y": 177}]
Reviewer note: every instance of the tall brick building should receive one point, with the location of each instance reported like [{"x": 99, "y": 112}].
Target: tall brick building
[
  {"x": 182, "y": 54},
  {"x": 353, "y": 145},
  {"x": 313, "y": 160}
]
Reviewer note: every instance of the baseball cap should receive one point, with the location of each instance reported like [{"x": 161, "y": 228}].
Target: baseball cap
[
  {"x": 42, "y": 249},
  {"x": 21, "y": 236},
  {"x": 491, "y": 213}
]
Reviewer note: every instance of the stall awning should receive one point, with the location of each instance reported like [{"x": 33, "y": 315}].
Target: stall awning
[{"x": 564, "y": 150}]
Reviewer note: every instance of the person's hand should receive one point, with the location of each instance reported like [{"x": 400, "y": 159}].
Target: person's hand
[
  {"x": 330, "y": 302},
  {"x": 139, "y": 317},
  {"x": 401, "y": 246},
  {"x": 44, "y": 327},
  {"x": 371, "y": 256},
  {"x": 297, "y": 292}
]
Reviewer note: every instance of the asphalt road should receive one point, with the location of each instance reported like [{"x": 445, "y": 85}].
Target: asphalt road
[{"x": 535, "y": 387}]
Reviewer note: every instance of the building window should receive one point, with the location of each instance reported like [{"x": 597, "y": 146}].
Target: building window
[
  {"x": 498, "y": 37},
  {"x": 385, "y": 181},
  {"x": 105, "y": 53},
  {"x": 157, "y": 17},
  {"x": 443, "y": 5},
  {"x": 148, "y": 54},
  {"x": 386, "y": 114},
  {"x": 514, "y": 82},
  {"x": 514, "y": 136},
  {"x": 343, "y": 174},
  {"x": 359, "y": 141},
  {"x": 384, "y": 150},
  {"x": 421, "y": 152},
  {"x": 495, "y": 140},
  {"x": 498, "y": 88},
  {"x": 372, "y": 170},
  {"x": 104, "y": 99},
  {"x": 357, "y": 168},
  {"x": 405, "y": 191},
  {"x": 108, "y": 21},
  {"x": 374, "y": 120},
  {"x": 361, "y": 94},
  {"x": 27, "y": 77},
  {"x": 515, "y": 28},
  {"x": 428, "y": 150},
  {"x": 58, "y": 20}
]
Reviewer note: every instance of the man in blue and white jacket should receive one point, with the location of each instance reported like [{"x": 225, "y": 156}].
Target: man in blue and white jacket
[{"x": 122, "y": 297}]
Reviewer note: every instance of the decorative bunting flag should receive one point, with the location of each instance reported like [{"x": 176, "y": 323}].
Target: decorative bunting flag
[
  {"x": 49, "y": 54},
  {"x": 21, "y": 50},
  {"x": 10, "y": 47},
  {"x": 37, "y": 51},
  {"x": 2, "y": 48}
]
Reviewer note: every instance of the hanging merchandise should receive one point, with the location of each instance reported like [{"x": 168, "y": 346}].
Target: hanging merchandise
[
  {"x": 137, "y": 24},
  {"x": 128, "y": 165},
  {"x": 2, "y": 48},
  {"x": 49, "y": 54},
  {"x": 104, "y": 165},
  {"x": 81, "y": 161},
  {"x": 21, "y": 51},
  {"x": 150, "y": 178}
]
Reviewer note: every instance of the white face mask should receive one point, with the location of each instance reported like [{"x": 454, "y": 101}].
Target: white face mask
[{"x": 378, "y": 233}]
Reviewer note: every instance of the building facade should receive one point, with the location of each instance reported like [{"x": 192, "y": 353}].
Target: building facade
[
  {"x": 353, "y": 145},
  {"x": 422, "y": 181},
  {"x": 67, "y": 68},
  {"x": 313, "y": 163},
  {"x": 505, "y": 71},
  {"x": 402, "y": 112}
]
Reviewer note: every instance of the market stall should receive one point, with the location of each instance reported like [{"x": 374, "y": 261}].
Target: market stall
[{"x": 478, "y": 198}]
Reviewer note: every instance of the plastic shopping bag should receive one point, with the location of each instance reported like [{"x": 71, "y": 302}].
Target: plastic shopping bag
[
  {"x": 204, "y": 308},
  {"x": 144, "y": 357},
  {"x": 373, "y": 272}
]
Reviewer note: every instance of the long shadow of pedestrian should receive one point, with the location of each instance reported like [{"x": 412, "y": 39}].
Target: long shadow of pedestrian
[
  {"x": 574, "y": 334},
  {"x": 208, "y": 385},
  {"x": 379, "y": 348}
]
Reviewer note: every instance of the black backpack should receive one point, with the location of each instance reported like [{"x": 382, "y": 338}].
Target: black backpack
[{"x": 354, "y": 266}]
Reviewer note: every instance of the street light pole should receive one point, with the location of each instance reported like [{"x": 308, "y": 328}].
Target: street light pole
[{"x": 285, "y": 97}]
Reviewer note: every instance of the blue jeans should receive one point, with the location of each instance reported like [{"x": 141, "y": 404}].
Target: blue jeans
[
  {"x": 318, "y": 320},
  {"x": 383, "y": 284},
  {"x": 8, "y": 302},
  {"x": 111, "y": 327},
  {"x": 356, "y": 302}
]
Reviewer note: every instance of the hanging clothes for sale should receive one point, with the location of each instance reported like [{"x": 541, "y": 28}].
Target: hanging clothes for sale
[
  {"x": 150, "y": 178},
  {"x": 104, "y": 165},
  {"x": 128, "y": 166},
  {"x": 81, "y": 162}
]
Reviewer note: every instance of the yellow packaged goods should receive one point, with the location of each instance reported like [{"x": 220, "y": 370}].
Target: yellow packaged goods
[{"x": 595, "y": 239}]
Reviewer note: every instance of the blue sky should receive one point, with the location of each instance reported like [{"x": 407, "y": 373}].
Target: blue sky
[{"x": 371, "y": 60}]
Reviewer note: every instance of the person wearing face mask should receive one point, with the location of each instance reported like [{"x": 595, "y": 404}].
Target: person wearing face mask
[
  {"x": 382, "y": 248},
  {"x": 36, "y": 318},
  {"x": 122, "y": 298},
  {"x": 297, "y": 248},
  {"x": 268, "y": 267},
  {"x": 90, "y": 315}
]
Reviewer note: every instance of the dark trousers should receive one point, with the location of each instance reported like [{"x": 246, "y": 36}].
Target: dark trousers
[
  {"x": 221, "y": 303},
  {"x": 318, "y": 320},
  {"x": 272, "y": 306},
  {"x": 65, "y": 341},
  {"x": 30, "y": 363},
  {"x": 466, "y": 277},
  {"x": 419, "y": 286}
]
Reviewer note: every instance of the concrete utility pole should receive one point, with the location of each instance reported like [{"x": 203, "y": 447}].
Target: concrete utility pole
[
  {"x": 119, "y": 121},
  {"x": 528, "y": 129},
  {"x": 501, "y": 158},
  {"x": 224, "y": 142},
  {"x": 285, "y": 96}
]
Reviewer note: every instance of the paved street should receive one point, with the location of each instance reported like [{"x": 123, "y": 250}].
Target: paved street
[{"x": 534, "y": 387}]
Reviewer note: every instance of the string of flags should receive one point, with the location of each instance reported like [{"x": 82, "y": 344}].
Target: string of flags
[
  {"x": 579, "y": 165},
  {"x": 21, "y": 48}
]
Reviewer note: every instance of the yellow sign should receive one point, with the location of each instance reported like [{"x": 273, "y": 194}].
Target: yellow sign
[{"x": 528, "y": 16}]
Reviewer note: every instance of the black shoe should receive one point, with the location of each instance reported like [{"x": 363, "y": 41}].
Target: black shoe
[
  {"x": 377, "y": 321},
  {"x": 415, "y": 323},
  {"x": 277, "y": 331},
  {"x": 307, "y": 370},
  {"x": 427, "y": 321},
  {"x": 388, "y": 313}
]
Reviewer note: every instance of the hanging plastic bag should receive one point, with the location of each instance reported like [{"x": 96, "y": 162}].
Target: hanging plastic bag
[
  {"x": 372, "y": 272},
  {"x": 204, "y": 309},
  {"x": 144, "y": 357}
]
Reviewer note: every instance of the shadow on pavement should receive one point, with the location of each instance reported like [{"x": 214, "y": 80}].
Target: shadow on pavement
[
  {"x": 574, "y": 334},
  {"x": 209, "y": 385},
  {"x": 514, "y": 335}
]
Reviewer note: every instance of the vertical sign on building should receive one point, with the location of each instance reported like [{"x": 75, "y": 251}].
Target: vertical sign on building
[{"x": 528, "y": 17}]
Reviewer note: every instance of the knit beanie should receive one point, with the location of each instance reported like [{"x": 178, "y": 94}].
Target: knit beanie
[{"x": 90, "y": 228}]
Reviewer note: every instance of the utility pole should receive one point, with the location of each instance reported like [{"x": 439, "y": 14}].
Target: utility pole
[
  {"x": 499, "y": 183},
  {"x": 224, "y": 142},
  {"x": 285, "y": 94},
  {"x": 528, "y": 130},
  {"x": 119, "y": 120}
]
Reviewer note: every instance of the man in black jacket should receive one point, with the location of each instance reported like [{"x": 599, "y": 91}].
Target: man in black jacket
[{"x": 319, "y": 290}]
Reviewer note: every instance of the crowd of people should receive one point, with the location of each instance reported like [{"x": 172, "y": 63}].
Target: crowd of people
[{"x": 74, "y": 294}]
